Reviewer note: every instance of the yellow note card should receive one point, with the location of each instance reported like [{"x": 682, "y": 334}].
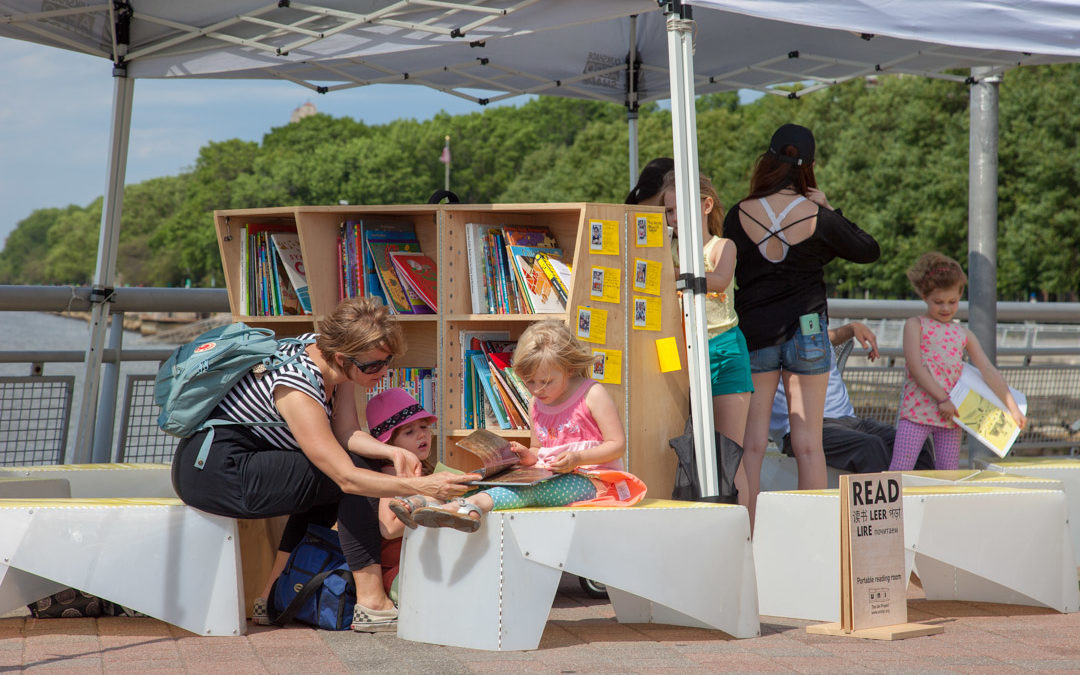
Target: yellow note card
[
  {"x": 646, "y": 313},
  {"x": 649, "y": 230},
  {"x": 647, "y": 276},
  {"x": 667, "y": 350},
  {"x": 592, "y": 325},
  {"x": 604, "y": 237},
  {"x": 606, "y": 284},
  {"x": 608, "y": 366}
]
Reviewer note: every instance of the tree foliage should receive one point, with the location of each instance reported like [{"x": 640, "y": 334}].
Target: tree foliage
[{"x": 892, "y": 152}]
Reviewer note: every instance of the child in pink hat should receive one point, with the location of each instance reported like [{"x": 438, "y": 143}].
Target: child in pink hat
[{"x": 395, "y": 417}]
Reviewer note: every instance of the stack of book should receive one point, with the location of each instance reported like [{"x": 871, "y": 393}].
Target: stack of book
[
  {"x": 273, "y": 281},
  {"x": 422, "y": 383},
  {"x": 494, "y": 397},
  {"x": 384, "y": 259},
  {"x": 516, "y": 269}
]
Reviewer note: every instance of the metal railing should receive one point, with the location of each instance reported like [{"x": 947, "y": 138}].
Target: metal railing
[{"x": 1053, "y": 390}]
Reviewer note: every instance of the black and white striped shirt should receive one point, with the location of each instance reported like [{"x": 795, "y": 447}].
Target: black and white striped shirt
[{"x": 252, "y": 398}]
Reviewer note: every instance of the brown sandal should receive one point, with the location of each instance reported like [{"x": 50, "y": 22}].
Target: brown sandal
[
  {"x": 460, "y": 519},
  {"x": 405, "y": 507}
]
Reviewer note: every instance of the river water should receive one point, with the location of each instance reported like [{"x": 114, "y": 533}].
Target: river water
[{"x": 42, "y": 331}]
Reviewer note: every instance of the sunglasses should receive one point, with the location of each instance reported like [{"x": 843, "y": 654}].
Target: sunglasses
[{"x": 371, "y": 367}]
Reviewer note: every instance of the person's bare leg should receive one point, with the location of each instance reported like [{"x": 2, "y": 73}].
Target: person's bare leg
[
  {"x": 806, "y": 406},
  {"x": 280, "y": 559},
  {"x": 729, "y": 414},
  {"x": 756, "y": 435},
  {"x": 369, "y": 588}
]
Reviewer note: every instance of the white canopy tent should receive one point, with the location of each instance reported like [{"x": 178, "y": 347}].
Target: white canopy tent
[{"x": 558, "y": 47}]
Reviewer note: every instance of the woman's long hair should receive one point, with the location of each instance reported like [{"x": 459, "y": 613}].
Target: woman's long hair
[{"x": 772, "y": 175}]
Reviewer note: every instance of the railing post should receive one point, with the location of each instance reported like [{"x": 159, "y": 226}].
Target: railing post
[{"x": 110, "y": 378}]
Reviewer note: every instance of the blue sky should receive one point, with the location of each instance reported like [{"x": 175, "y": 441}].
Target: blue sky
[{"x": 54, "y": 122}]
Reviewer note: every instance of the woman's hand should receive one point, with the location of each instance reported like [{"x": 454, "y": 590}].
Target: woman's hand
[
  {"x": 818, "y": 197},
  {"x": 406, "y": 464},
  {"x": 526, "y": 457},
  {"x": 443, "y": 485},
  {"x": 565, "y": 462}
]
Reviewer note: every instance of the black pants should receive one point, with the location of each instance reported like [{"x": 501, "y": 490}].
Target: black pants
[
  {"x": 246, "y": 478},
  {"x": 861, "y": 445}
]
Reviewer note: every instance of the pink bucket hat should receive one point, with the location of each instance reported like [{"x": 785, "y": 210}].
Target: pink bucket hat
[{"x": 392, "y": 408}]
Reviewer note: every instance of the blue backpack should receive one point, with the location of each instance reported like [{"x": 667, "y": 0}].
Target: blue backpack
[
  {"x": 196, "y": 377},
  {"x": 316, "y": 587}
]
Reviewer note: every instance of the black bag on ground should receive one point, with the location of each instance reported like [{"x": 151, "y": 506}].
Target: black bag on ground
[
  {"x": 687, "y": 486},
  {"x": 73, "y": 604}
]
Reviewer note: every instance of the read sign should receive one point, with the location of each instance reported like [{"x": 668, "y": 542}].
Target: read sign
[{"x": 873, "y": 588}]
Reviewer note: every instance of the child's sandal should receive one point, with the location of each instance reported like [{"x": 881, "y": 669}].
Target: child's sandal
[
  {"x": 405, "y": 507},
  {"x": 460, "y": 519}
]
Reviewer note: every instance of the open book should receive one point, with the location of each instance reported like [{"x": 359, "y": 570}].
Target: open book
[
  {"x": 982, "y": 414},
  {"x": 499, "y": 463}
]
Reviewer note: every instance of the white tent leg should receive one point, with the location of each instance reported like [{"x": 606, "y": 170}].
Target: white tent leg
[
  {"x": 691, "y": 261},
  {"x": 632, "y": 102},
  {"x": 982, "y": 220},
  {"x": 632, "y": 150},
  {"x": 104, "y": 275}
]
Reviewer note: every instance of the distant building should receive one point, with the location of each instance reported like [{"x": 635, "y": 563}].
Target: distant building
[{"x": 306, "y": 110}]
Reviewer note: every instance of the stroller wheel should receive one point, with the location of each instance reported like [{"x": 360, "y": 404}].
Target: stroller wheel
[{"x": 594, "y": 589}]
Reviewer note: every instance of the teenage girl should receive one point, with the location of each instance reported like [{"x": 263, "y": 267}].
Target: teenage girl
[
  {"x": 934, "y": 347},
  {"x": 575, "y": 425}
]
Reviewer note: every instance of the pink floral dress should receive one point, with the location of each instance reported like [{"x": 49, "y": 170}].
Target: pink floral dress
[{"x": 942, "y": 346}]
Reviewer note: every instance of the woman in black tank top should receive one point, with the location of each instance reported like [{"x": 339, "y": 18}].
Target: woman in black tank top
[{"x": 785, "y": 232}]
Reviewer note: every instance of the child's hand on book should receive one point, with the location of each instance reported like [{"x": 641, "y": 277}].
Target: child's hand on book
[
  {"x": 1019, "y": 417},
  {"x": 948, "y": 409},
  {"x": 526, "y": 457},
  {"x": 564, "y": 462}
]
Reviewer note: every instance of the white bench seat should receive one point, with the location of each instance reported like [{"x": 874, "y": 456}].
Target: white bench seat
[{"x": 682, "y": 563}]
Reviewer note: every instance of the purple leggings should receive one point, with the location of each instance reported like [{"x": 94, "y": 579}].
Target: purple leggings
[{"x": 910, "y": 437}]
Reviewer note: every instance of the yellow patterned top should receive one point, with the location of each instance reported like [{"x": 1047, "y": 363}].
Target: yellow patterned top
[{"x": 720, "y": 313}]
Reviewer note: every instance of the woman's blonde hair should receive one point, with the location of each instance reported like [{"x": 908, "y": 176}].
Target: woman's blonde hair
[
  {"x": 705, "y": 187},
  {"x": 933, "y": 271},
  {"x": 551, "y": 342},
  {"x": 359, "y": 325}
]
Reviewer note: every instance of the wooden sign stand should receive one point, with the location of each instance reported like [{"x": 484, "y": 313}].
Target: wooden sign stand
[{"x": 873, "y": 590}]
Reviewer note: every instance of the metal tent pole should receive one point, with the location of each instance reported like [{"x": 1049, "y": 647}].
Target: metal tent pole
[
  {"x": 982, "y": 219},
  {"x": 691, "y": 262},
  {"x": 105, "y": 273},
  {"x": 632, "y": 102}
]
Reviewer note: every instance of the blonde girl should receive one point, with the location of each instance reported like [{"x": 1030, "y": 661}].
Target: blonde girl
[
  {"x": 934, "y": 348},
  {"x": 575, "y": 428}
]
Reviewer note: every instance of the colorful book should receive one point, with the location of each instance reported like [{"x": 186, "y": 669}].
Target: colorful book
[
  {"x": 478, "y": 287},
  {"x": 419, "y": 273},
  {"x": 375, "y": 231},
  {"x": 288, "y": 250},
  {"x": 471, "y": 398},
  {"x": 558, "y": 273},
  {"x": 519, "y": 411},
  {"x": 982, "y": 414},
  {"x": 529, "y": 235},
  {"x": 395, "y": 293},
  {"x": 483, "y": 375},
  {"x": 499, "y": 464},
  {"x": 540, "y": 295}
]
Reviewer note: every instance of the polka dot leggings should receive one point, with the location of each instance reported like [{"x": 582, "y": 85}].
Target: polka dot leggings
[
  {"x": 558, "y": 491},
  {"x": 910, "y": 437}
]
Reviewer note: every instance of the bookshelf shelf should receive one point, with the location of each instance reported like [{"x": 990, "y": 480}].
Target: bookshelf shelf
[{"x": 653, "y": 405}]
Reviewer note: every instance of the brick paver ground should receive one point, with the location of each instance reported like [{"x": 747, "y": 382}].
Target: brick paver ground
[{"x": 582, "y": 636}]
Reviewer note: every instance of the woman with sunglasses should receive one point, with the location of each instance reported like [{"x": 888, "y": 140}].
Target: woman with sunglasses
[{"x": 313, "y": 464}]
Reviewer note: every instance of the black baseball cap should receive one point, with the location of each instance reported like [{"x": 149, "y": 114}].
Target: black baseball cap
[{"x": 801, "y": 138}]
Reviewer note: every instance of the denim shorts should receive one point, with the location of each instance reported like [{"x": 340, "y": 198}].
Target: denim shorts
[{"x": 802, "y": 354}]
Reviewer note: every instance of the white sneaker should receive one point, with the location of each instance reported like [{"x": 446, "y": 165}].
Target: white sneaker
[{"x": 374, "y": 620}]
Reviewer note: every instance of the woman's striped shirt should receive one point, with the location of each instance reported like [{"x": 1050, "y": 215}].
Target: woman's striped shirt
[{"x": 252, "y": 398}]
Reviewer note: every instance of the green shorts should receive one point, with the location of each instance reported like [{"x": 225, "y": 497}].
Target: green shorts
[{"x": 729, "y": 363}]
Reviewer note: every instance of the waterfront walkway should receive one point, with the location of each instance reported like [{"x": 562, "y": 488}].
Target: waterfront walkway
[{"x": 582, "y": 636}]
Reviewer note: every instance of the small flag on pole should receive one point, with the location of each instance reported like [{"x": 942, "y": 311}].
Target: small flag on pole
[{"x": 445, "y": 157}]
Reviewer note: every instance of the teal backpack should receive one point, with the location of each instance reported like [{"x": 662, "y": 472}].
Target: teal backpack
[{"x": 196, "y": 377}]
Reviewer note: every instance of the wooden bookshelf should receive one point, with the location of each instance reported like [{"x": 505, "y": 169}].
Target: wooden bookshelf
[{"x": 653, "y": 405}]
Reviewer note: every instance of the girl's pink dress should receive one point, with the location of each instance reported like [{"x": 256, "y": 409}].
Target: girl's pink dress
[
  {"x": 942, "y": 347},
  {"x": 568, "y": 426}
]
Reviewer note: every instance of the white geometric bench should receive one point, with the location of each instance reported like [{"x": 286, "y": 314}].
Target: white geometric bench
[
  {"x": 1064, "y": 469},
  {"x": 102, "y": 480},
  {"x": 990, "y": 544},
  {"x": 156, "y": 556},
  {"x": 682, "y": 563}
]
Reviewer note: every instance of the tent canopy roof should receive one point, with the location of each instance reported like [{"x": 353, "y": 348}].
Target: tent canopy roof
[{"x": 551, "y": 47}]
